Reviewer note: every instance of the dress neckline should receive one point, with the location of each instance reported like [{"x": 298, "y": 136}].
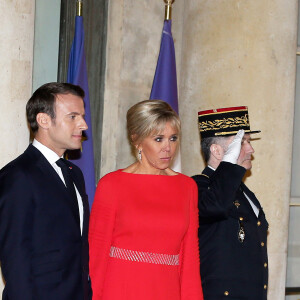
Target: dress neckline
[{"x": 154, "y": 175}]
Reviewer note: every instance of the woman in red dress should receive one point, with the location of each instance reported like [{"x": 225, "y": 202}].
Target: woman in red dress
[{"x": 144, "y": 220}]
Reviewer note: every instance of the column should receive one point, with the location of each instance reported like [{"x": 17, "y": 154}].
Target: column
[{"x": 16, "y": 40}]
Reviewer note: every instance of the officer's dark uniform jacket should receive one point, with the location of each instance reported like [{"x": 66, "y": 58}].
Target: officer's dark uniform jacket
[{"x": 233, "y": 240}]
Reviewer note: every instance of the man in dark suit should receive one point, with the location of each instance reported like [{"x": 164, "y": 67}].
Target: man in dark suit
[
  {"x": 44, "y": 209},
  {"x": 233, "y": 227}
]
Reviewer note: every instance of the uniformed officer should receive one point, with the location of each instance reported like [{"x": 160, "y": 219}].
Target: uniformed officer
[{"x": 233, "y": 227}]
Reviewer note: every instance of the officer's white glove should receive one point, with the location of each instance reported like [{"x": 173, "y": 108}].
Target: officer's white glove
[{"x": 233, "y": 151}]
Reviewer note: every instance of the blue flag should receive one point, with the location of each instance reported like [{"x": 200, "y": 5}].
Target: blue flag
[
  {"x": 77, "y": 74},
  {"x": 164, "y": 85}
]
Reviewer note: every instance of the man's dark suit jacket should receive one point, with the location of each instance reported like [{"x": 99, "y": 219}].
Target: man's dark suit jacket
[
  {"x": 231, "y": 269},
  {"x": 42, "y": 252}
]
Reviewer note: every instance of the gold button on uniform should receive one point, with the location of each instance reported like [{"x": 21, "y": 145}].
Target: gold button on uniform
[
  {"x": 262, "y": 244},
  {"x": 241, "y": 218},
  {"x": 258, "y": 223},
  {"x": 265, "y": 286},
  {"x": 226, "y": 293},
  {"x": 265, "y": 265}
]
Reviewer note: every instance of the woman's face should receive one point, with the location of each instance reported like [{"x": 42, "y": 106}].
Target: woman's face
[{"x": 159, "y": 149}]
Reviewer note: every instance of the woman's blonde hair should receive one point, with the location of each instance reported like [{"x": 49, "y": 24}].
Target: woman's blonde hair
[{"x": 150, "y": 117}]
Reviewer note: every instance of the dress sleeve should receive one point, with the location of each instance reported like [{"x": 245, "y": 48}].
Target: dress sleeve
[
  {"x": 191, "y": 288},
  {"x": 101, "y": 227}
]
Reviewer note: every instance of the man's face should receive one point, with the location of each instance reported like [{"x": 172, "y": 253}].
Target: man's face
[
  {"x": 247, "y": 150},
  {"x": 245, "y": 156},
  {"x": 65, "y": 131}
]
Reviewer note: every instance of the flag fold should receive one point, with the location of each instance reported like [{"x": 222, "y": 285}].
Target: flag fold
[
  {"x": 164, "y": 85},
  {"x": 77, "y": 74}
]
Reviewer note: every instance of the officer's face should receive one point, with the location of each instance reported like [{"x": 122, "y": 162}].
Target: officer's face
[{"x": 245, "y": 156}]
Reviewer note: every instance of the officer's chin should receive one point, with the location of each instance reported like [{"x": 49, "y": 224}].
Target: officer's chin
[{"x": 247, "y": 165}]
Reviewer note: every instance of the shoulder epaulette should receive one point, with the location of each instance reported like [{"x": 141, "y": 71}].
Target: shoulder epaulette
[{"x": 205, "y": 175}]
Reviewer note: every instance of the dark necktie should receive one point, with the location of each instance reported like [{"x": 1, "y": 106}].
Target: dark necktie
[{"x": 68, "y": 179}]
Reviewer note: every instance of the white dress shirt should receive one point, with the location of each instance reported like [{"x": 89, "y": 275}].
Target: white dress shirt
[
  {"x": 254, "y": 207},
  {"x": 52, "y": 158}
]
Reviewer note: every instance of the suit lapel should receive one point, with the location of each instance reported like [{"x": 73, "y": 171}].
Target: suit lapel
[
  {"x": 244, "y": 189},
  {"x": 251, "y": 196},
  {"x": 45, "y": 167},
  {"x": 76, "y": 180},
  {"x": 79, "y": 182},
  {"x": 53, "y": 179}
]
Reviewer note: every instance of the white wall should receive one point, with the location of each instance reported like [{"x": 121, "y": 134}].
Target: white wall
[
  {"x": 293, "y": 255},
  {"x": 46, "y": 42},
  {"x": 16, "y": 56}
]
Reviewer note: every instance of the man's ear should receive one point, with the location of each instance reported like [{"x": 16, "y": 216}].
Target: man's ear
[
  {"x": 43, "y": 120},
  {"x": 217, "y": 151}
]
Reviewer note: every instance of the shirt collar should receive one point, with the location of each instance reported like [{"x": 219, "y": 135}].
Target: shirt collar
[
  {"x": 211, "y": 167},
  {"x": 49, "y": 154}
]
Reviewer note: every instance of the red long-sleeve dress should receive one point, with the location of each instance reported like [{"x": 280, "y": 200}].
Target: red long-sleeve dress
[{"x": 143, "y": 238}]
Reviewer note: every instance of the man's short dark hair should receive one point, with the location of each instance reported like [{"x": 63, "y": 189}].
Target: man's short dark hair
[
  {"x": 207, "y": 142},
  {"x": 43, "y": 100}
]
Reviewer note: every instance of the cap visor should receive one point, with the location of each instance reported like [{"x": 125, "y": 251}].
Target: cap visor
[{"x": 235, "y": 132}]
